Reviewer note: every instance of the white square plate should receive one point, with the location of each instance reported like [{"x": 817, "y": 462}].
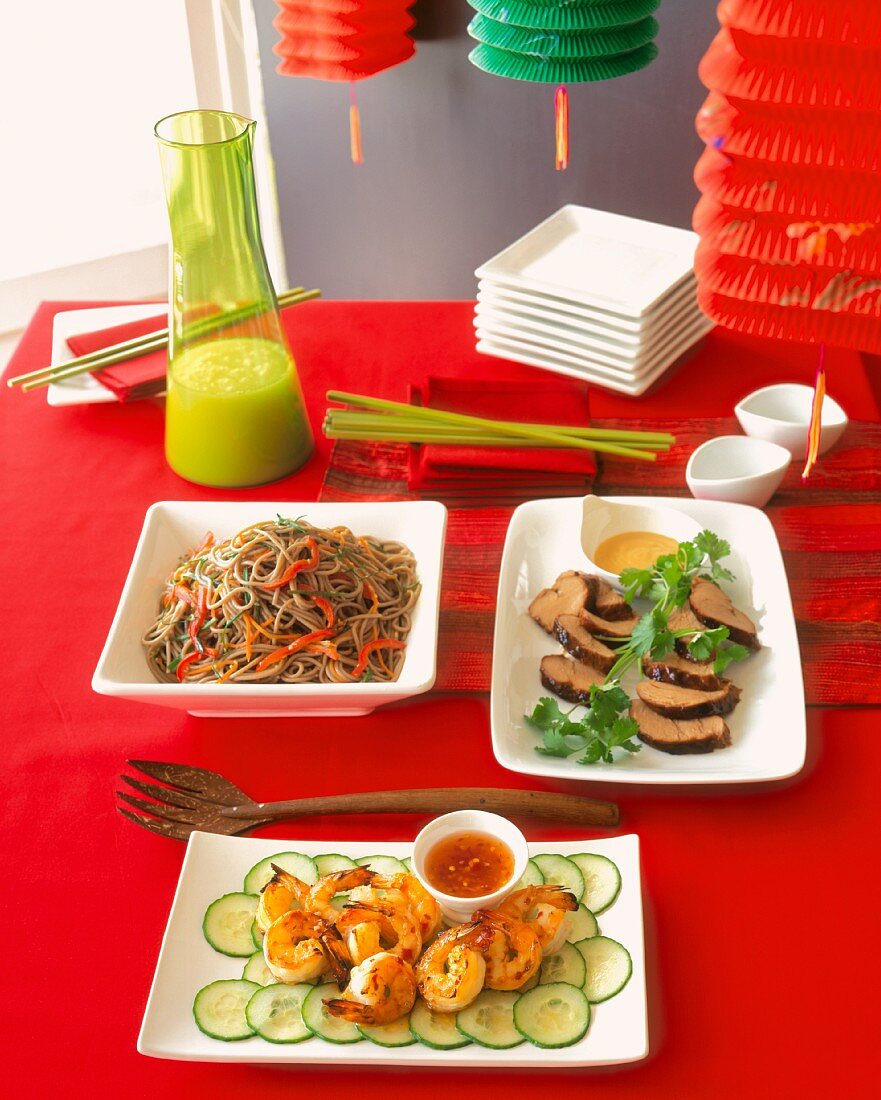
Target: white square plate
[
  {"x": 594, "y": 356},
  {"x": 216, "y": 865},
  {"x": 532, "y": 301},
  {"x": 83, "y": 389},
  {"x": 573, "y": 331},
  {"x": 768, "y": 726},
  {"x": 171, "y": 526},
  {"x": 575, "y": 367},
  {"x": 597, "y": 258}
]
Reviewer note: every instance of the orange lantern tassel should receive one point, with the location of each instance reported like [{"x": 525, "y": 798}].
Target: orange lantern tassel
[
  {"x": 355, "y": 128},
  {"x": 561, "y": 128},
  {"x": 813, "y": 443}
]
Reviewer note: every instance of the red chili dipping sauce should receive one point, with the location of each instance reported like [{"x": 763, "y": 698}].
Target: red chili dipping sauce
[{"x": 469, "y": 865}]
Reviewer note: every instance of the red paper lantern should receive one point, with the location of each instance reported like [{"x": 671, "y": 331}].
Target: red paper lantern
[
  {"x": 343, "y": 40},
  {"x": 790, "y": 213}
]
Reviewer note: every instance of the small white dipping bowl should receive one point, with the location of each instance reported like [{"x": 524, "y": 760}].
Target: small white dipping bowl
[
  {"x": 458, "y": 910},
  {"x": 601, "y": 519},
  {"x": 781, "y": 414},
  {"x": 737, "y": 468}
]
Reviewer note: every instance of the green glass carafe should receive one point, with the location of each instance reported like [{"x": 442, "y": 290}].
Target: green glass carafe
[{"x": 234, "y": 413}]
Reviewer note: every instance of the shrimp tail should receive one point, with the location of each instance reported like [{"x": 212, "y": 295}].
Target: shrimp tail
[
  {"x": 336, "y": 953},
  {"x": 353, "y": 1011},
  {"x": 565, "y": 898}
]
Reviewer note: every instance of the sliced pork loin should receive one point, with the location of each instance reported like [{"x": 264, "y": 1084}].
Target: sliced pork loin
[
  {"x": 569, "y": 679},
  {"x": 682, "y": 672},
  {"x": 604, "y": 601},
  {"x": 566, "y": 596},
  {"x": 683, "y": 618},
  {"x": 679, "y": 736},
  {"x": 582, "y": 645},
  {"x": 682, "y": 702},
  {"x": 713, "y": 608},
  {"x": 613, "y": 628}
]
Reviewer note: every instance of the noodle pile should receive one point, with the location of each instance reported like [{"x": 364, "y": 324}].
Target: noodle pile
[{"x": 286, "y": 602}]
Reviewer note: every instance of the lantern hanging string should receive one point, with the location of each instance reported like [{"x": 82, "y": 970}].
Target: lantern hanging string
[
  {"x": 355, "y": 127},
  {"x": 813, "y": 442},
  {"x": 561, "y": 128}
]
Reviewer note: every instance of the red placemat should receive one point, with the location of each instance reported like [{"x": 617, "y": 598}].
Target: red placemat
[{"x": 829, "y": 532}]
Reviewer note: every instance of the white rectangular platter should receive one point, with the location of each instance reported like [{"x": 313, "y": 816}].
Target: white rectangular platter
[
  {"x": 596, "y": 258},
  {"x": 214, "y": 865},
  {"x": 768, "y": 726}
]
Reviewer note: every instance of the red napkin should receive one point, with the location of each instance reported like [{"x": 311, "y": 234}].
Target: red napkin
[
  {"x": 133, "y": 378},
  {"x": 549, "y": 401}
]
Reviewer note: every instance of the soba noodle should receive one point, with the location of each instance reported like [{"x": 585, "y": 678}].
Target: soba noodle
[{"x": 342, "y": 613}]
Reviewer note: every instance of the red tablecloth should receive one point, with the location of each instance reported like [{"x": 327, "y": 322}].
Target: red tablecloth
[{"x": 762, "y": 927}]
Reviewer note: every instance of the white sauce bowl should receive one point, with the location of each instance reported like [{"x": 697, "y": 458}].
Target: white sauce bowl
[
  {"x": 781, "y": 414},
  {"x": 458, "y": 910},
  {"x": 737, "y": 468}
]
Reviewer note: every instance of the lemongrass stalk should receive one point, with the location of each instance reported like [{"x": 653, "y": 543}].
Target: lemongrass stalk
[
  {"x": 475, "y": 421},
  {"x": 453, "y": 434},
  {"x": 577, "y": 431}
]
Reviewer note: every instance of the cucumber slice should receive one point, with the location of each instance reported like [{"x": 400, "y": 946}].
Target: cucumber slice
[
  {"x": 295, "y": 863},
  {"x": 219, "y": 1009},
  {"x": 397, "y": 1034},
  {"x": 489, "y": 1020},
  {"x": 581, "y": 924},
  {"x": 609, "y": 967},
  {"x": 602, "y": 880},
  {"x": 560, "y": 871},
  {"x": 531, "y": 983},
  {"x": 532, "y": 876},
  {"x": 332, "y": 862},
  {"x": 257, "y": 971},
  {"x": 256, "y": 936},
  {"x": 565, "y": 965},
  {"x": 276, "y": 1013},
  {"x": 408, "y": 865},
  {"x": 319, "y": 1020},
  {"x": 436, "y": 1029},
  {"x": 551, "y": 1016},
  {"x": 227, "y": 924},
  {"x": 383, "y": 865}
]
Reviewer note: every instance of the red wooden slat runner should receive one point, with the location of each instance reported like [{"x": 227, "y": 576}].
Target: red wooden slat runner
[{"x": 830, "y": 535}]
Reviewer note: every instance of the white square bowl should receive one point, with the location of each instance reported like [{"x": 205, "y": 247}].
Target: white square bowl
[
  {"x": 213, "y": 865},
  {"x": 768, "y": 728},
  {"x": 171, "y": 526}
]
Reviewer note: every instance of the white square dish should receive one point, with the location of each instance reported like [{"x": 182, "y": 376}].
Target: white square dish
[
  {"x": 767, "y": 728},
  {"x": 214, "y": 865},
  {"x": 83, "y": 389},
  {"x": 172, "y": 526},
  {"x": 594, "y": 257}
]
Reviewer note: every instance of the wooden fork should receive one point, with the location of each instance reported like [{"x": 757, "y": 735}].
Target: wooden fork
[{"x": 196, "y": 799}]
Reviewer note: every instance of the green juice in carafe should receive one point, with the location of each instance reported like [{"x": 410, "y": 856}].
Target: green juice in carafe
[{"x": 234, "y": 413}]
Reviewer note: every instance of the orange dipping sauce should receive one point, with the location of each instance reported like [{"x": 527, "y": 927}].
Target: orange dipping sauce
[{"x": 469, "y": 865}]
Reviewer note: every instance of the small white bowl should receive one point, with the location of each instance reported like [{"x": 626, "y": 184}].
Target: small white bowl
[
  {"x": 458, "y": 910},
  {"x": 781, "y": 414},
  {"x": 602, "y": 519},
  {"x": 737, "y": 468},
  {"x": 170, "y": 526}
]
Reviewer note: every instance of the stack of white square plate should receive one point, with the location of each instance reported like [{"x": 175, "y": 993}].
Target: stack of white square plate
[{"x": 593, "y": 295}]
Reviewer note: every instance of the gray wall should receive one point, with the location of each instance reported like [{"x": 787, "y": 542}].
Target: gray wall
[{"x": 459, "y": 163}]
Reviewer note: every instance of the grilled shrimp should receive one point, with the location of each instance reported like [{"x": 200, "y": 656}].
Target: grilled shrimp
[
  {"x": 391, "y": 922},
  {"x": 380, "y": 991},
  {"x": 337, "y": 882},
  {"x": 423, "y": 906},
  {"x": 544, "y": 909},
  {"x": 295, "y": 948},
  {"x": 451, "y": 972},
  {"x": 513, "y": 954},
  {"x": 283, "y": 892}
]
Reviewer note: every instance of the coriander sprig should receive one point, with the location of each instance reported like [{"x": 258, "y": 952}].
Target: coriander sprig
[{"x": 605, "y": 724}]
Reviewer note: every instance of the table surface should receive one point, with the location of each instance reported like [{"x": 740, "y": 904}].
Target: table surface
[{"x": 761, "y": 903}]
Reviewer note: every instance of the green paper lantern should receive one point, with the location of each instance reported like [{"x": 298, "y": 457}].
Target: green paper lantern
[{"x": 563, "y": 42}]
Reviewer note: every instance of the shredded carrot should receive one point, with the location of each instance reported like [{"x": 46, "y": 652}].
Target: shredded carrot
[
  {"x": 298, "y": 566},
  {"x": 294, "y": 647},
  {"x": 184, "y": 667},
  {"x": 248, "y": 639},
  {"x": 370, "y": 647}
]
